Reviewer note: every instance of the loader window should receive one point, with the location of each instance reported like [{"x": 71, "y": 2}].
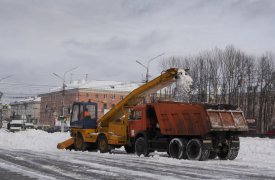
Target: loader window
[
  {"x": 75, "y": 113},
  {"x": 91, "y": 111}
]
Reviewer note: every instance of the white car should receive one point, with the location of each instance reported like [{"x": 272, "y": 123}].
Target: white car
[
  {"x": 17, "y": 125},
  {"x": 29, "y": 126}
]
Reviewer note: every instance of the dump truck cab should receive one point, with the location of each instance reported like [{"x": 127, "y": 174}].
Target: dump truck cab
[{"x": 142, "y": 118}]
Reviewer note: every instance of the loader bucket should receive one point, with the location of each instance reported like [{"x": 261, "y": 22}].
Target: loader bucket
[{"x": 66, "y": 144}]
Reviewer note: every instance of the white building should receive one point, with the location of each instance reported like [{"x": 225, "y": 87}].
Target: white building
[{"x": 29, "y": 107}]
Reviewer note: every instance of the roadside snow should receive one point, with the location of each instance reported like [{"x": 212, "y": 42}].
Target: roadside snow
[
  {"x": 31, "y": 139},
  {"x": 254, "y": 152}
]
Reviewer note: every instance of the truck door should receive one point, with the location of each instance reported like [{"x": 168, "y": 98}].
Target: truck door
[{"x": 136, "y": 122}]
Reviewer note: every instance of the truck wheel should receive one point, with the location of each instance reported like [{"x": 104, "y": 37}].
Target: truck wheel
[
  {"x": 141, "y": 147},
  {"x": 129, "y": 149},
  {"x": 196, "y": 151},
  {"x": 79, "y": 143},
  {"x": 212, "y": 155},
  {"x": 177, "y": 148},
  {"x": 224, "y": 151},
  {"x": 233, "y": 154},
  {"x": 235, "y": 146},
  {"x": 102, "y": 144}
]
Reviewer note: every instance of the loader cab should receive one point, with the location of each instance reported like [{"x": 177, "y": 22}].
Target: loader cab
[{"x": 84, "y": 115}]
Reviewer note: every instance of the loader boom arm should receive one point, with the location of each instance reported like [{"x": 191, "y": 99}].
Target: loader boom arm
[{"x": 165, "y": 79}]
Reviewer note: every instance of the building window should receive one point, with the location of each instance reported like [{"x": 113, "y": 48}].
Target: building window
[
  {"x": 113, "y": 96},
  {"x": 87, "y": 94},
  {"x": 113, "y": 105},
  {"x": 121, "y": 97},
  {"x": 104, "y": 106},
  {"x": 96, "y": 95},
  {"x": 105, "y": 96}
]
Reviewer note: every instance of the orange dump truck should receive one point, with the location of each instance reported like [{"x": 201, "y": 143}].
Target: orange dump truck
[{"x": 185, "y": 130}]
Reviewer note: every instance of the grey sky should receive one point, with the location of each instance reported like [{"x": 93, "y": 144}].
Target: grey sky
[{"x": 105, "y": 38}]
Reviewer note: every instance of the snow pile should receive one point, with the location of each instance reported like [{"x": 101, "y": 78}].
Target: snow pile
[
  {"x": 183, "y": 86},
  {"x": 258, "y": 151},
  {"x": 31, "y": 139}
]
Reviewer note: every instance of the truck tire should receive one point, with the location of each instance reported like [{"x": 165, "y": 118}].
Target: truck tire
[
  {"x": 212, "y": 155},
  {"x": 224, "y": 151},
  {"x": 79, "y": 143},
  {"x": 177, "y": 148},
  {"x": 129, "y": 149},
  {"x": 235, "y": 146},
  {"x": 102, "y": 144},
  {"x": 196, "y": 151},
  {"x": 141, "y": 147}
]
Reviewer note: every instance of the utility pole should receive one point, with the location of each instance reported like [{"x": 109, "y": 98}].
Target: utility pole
[
  {"x": 147, "y": 67},
  {"x": 62, "y": 117}
]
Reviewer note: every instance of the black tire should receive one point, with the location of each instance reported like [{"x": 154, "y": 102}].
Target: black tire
[
  {"x": 196, "y": 151},
  {"x": 102, "y": 144},
  {"x": 177, "y": 148},
  {"x": 141, "y": 147},
  {"x": 224, "y": 151},
  {"x": 129, "y": 149},
  {"x": 212, "y": 155},
  {"x": 79, "y": 143},
  {"x": 233, "y": 154}
]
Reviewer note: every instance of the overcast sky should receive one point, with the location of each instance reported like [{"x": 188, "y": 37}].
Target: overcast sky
[{"x": 104, "y": 38}]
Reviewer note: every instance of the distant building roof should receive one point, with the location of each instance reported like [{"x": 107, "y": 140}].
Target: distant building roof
[
  {"x": 27, "y": 100},
  {"x": 100, "y": 85}
]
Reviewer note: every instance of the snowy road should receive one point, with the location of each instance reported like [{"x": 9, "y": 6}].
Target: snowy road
[
  {"x": 33, "y": 155},
  {"x": 22, "y": 164}
]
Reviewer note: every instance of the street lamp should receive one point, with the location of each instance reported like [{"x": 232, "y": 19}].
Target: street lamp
[
  {"x": 63, "y": 94},
  {"x": 148, "y": 63}
]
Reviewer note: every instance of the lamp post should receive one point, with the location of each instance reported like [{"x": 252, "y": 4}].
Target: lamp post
[
  {"x": 63, "y": 94},
  {"x": 148, "y": 63}
]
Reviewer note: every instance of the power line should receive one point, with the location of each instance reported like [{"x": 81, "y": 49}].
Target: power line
[{"x": 30, "y": 85}]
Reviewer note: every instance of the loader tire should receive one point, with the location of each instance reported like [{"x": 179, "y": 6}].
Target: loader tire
[
  {"x": 177, "y": 148},
  {"x": 102, "y": 144},
  {"x": 79, "y": 143},
  {"x": 141, "y": 147},
  {"x": 196, "y": 151}
]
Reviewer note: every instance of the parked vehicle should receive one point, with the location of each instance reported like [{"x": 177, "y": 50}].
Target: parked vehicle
[
  {"x": 16, "y": 125},
  {"x": 29, "y": 126}
]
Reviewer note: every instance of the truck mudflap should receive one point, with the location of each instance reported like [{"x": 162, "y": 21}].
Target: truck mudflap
[
  {"x": 227, "y": 120},
  {"x": 66, "y": 144}
]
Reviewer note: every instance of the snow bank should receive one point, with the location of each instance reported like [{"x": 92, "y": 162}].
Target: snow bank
[
  {"x": 31, "y": 139},
  {"x": 257, "y": 152}
]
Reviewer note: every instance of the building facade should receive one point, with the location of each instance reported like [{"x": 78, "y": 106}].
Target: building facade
[
  {"x": 105, "y": 96},
  {"x": 30, "y": 108}
]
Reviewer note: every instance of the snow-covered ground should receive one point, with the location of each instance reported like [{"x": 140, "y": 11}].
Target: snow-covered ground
[{"x": 256, "y": 160}]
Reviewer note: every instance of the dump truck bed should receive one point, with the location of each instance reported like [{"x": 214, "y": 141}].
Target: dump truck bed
[{"x": 194, "y": 119}]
